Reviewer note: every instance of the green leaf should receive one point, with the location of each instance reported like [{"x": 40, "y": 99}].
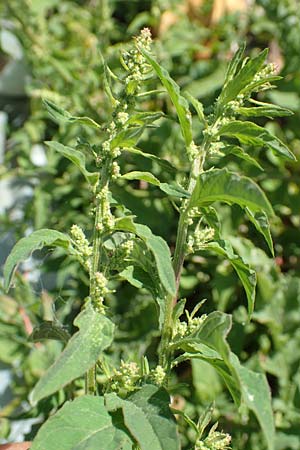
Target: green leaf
[
  {"x": 80, "y": 354},
  {"x": 127, "y": 138},
  {"x": 76, "y": 157},
  {"x": 235, "y": 63},
  {"x": 61, "y": 115},
  {"x": 145, "y": 176},
  {"x": 161, "y": 252},
  {"x": 243, "y": 270},
  {"x": 144, "y": 118},
  {"x": 197, "y": 105},
  {"x": 257, "y": 396},
  {"x": 180, "y": 103},
  {"x": 148, "y": 417},
  {"x": 171, "y": 189},
  {"x": 209, "y": 344},
  {"x": 224, "y": 186},
  {"x": 253, "y": 386},
  {"x": 250, "y": 133},
  {"x": 240, "y": 153},
  {"x": 83, "y": 424},
  {"x": 49, "y": 330},
  {"x": 261, "y": 223},
  {"x": 243, "y": 78},
  {"x": 25, "y": 246},
  {"x": 264, "y": 110},
  {"x": 166, "y": 165}
]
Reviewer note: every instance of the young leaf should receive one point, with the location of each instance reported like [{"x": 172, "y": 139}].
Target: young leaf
[
  {"x": 76, "y": 157},
  {"x": 80, "y": 354},
  {"x": 246, "y": 74},
  {"x": 25, "y": 246},
  {"x": 83, "y": 424},
  {"x": 243, "y": 270},
  {"x": 161, "y": 252},
  {"x": 235, "y": 63},
  {"x": 180, "y": 103},
  {"x": 61, "y": 115},
  {"x": 224, "y": 186},
  {"x": 250, "y": 133},
  {"x": 257, "y": 396},
  {"x": 261, "y": 223},
  {"x": 148, "y": 417}
]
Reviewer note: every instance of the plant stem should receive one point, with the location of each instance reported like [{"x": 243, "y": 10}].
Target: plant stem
[
  {"x": 178, "y": 259},
  {"x": 90, "y": 380}
]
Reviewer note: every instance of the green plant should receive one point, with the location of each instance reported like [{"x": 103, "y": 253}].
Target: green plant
[{"x": 126, "y": 403}]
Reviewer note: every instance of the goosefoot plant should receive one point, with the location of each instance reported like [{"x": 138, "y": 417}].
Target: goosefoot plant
[{"x": 131, "y": 410}]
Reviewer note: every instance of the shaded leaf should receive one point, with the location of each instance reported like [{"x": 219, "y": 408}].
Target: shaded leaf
[
  {"x": 25, "y": 246},
  {"x": 148, "y": 417},
  {"x": 240, "y": 153},
  {"x": 80, "y": 354},
  {"x": 261, "y": 223},
  {"x": 243, "y": 270},
  {"x": 83, "y": 424},
  {"x": 264, "y": 110},
  {"x": 166, "y": 165},
  {"x": 49, "y": 330},
  {"x": 224, "y": 186},
  {"x": 76, "y": 157},
  {"x": 161, "y": 252},
  {"x": 250, "y": 133}
]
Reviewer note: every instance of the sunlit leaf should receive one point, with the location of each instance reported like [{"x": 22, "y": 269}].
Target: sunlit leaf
[
  {"x": 83, "y": 424},
  {"x": 224, "y": 186},
  {"x": 80, "y": 354}
]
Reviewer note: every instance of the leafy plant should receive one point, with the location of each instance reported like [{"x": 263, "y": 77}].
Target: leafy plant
[{"x": 125, "y": 404}]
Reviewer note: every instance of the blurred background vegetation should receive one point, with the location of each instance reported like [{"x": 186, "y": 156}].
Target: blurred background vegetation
[{"x": 50, "y": 49}]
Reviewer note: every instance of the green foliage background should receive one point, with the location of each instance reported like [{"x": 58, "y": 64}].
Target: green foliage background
[{"x": 60, "y": 61}]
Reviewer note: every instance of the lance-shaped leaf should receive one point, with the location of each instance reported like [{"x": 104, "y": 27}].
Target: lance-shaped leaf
[
  {"x": 161, "y": 252},
  {"x": 180, "y": 103},
  {"x": 242, "y": 79},
  {"x": 220, "y": 185},
  {"x": 25, "y": 246},
  {"x": 250, "y": 133},
  {"x": 264, "y": 110},
  {"x": 173, "y": 190},
  {"x": 166, "y": 165},
  {"x": 261, "y": 223},
  {"x": 240, "y": 153},
  {"x": 83, "y": 424},
  {"x": 76, "y": 157},
  {"x": 61, "y": 115},
  {"x": 243, "y": 270},
  {"x": 80, "y": 354},
  {"x": 148, "y": 417},
  {"x": 257, "y": 396}
]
